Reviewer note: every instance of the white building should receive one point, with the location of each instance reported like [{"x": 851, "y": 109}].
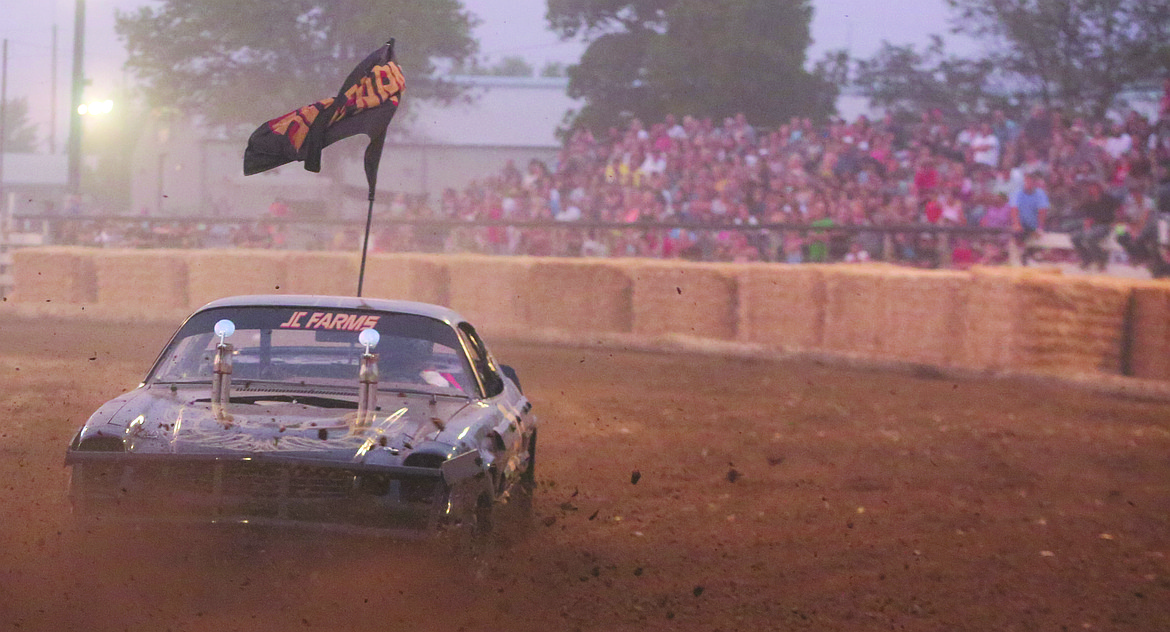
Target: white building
[{"x": 33, "y": 183}]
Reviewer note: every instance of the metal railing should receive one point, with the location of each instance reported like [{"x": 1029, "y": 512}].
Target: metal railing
[{"x": 431, "y": 233}]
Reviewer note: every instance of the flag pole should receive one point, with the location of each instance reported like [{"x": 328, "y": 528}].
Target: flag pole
[
  {"x": 364, "y": 104},
  {"x": 372, "y": 158},
  {"x": 366, "y": 243}
]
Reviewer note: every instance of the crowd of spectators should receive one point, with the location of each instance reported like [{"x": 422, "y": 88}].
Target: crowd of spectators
[
  {"x": 990, "y": 172},
  {"x": 700, "y": 189}
]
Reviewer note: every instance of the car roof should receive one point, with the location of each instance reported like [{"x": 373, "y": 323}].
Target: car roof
[{"x": 437, "y": 312}]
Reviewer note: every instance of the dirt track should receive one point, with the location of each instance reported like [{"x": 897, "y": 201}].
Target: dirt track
[{"x": 771, "y": 497}]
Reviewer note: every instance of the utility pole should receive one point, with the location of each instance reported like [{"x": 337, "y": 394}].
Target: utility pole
[
  {"x": 78, "y": 89},
  {"x": 53, "y": 98},
  {"x": 3, "y": 137},
  {"x": 4, "y": 219}
]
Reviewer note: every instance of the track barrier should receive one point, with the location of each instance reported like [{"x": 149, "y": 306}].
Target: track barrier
[{"x": 986, "y": 319}]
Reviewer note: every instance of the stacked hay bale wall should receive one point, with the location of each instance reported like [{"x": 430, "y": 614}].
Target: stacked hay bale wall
[
  {"x": 922, "y": 316},
  {"x": 994, "y": 319},
  {"x": 579, "y": 295},
  {"x": 992, "y": 312},
  {"x": 408, "y": 277},
  {"x": 855, "y": 307},
  {"x": 54, "y": 274},
  {"x": 331, "y": 273},
  {"x": 491, "y": 292},
  {"x": 1026, "y": 320},
  {"x": 1070, "y": 325},
  {"x": 782, "y": 306},
  {"x": 683, "y": 299},
  {"x": 213, "y": 274},
  {"x": 121, "y": 276}
]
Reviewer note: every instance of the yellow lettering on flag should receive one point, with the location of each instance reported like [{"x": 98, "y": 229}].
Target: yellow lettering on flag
[
  {"x": 295, "y": 125},
  {"x": 375, "y": 89}
]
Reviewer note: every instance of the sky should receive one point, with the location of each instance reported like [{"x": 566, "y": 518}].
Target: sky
[{"x": 514, "y": 28}]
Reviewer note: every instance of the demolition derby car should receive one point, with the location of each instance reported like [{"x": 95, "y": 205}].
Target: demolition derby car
[{"x": 333, "y": 412}]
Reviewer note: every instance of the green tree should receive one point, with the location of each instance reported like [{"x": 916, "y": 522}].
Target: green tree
[
  {"x": 834, "y": 70},
  {"x": 512, "y": 67},
  {"x": 835, "y": 67},
  {"x": 243, "y": 61},
  {"x": 20, "y": 134},
  {"x": 553, "y": 69},
  {"x": 1073, "y": 53},
  {"x": 904, "y": 78},
  {"x": 705, "y": 57}
]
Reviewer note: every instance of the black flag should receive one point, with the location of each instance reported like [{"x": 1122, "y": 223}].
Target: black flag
[{"x": 364, "y": 105}]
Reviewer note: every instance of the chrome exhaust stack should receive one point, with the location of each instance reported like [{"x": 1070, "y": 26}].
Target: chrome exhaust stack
[
  {"x": 221, "y": 382},
  {"x": 367, "y": 379}
]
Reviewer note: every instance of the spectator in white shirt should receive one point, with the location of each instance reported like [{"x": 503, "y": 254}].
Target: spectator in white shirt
[
  {"x": 1119, "y": 143},
  {"x": 985, "y": 147}
]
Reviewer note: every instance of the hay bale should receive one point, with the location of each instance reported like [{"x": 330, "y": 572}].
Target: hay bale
[
  {"x": 782, "y": 306},
  {"x": 579, "y": 295},
  {"x": 492, "y": 292},
  {"x": 141, "y": 278},
  {"x": 1149, "y": 342},
  {"x": 991, "y": 317},
  {"x": 213, "y": 274},
  {"x": 54, "y": 274},
  {"x": 325, "y": 273},
  {"x": 1070, "y": 325},
  {"x": 855, "y": 307},
  {"x": 408, "y": 277},
  {"x": 684, "y": 299},
  {"x": 1083, "y": 324},
  {"x": 921, "y": 315}
]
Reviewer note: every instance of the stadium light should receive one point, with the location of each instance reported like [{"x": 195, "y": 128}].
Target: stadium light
[{"x": 96, "y": 108}]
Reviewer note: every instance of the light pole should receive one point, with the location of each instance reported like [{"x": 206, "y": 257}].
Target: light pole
[
  {"x": 3, "y": 142},
  {"x": 74, "y": 148}
]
